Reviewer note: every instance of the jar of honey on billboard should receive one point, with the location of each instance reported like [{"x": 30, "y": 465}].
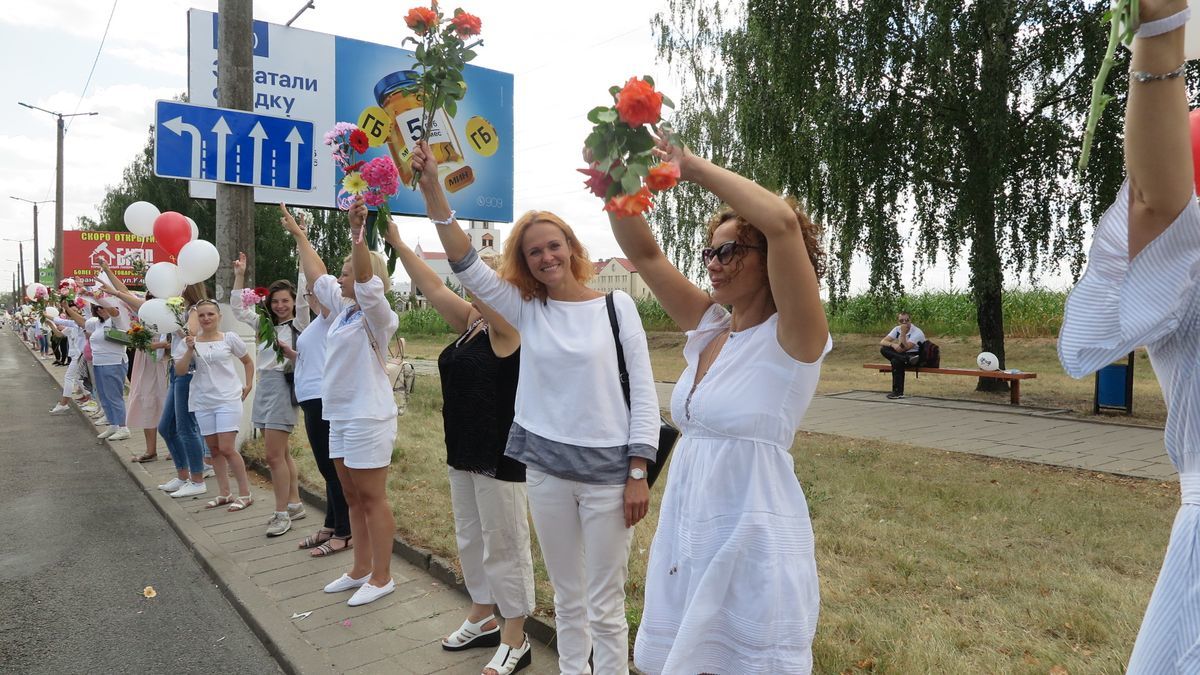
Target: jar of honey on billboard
[{"x": 397, "y": 93}]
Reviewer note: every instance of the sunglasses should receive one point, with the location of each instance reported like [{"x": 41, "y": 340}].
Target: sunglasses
[{"x": 725, "y": 252}]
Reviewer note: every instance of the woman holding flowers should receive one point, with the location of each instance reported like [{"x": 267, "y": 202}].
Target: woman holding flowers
[
  {"x": 178, "y": 425},
  {"x": 1141, "y": 288},
  {"x": 108, "y": 366},
  {"x": 731, "y": 584},
  {"x": 271, "y": 312},
  {"x": 73, "y": 378},
  {"x": 479, "y": 388},
  {"x": 356, "y": 397},
  {"x": 216, "y": 398},
  {"x": 586, "y": 473},
  {"x": 309, "y": 357}
]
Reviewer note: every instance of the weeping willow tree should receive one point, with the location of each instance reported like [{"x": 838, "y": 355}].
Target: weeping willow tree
[{"x": 910, "y": 128}]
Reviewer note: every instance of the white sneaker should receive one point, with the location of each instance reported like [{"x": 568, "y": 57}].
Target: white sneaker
[
  {"x": 172, "y": 485},
  {"x": 368, "y": 593},
  {"x": 190, "y": 489},
  {"x": 90, "y": 407},
  {"x": 122, "y": 434},
  {"x": 345, "y": 583},
  {"x": 108, "y": 432},
  {"x": 209, "y": 472},
  {"x": 60, "y": 409}
]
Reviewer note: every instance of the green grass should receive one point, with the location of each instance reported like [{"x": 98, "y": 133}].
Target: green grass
[{"x": 1027, "y": 313}]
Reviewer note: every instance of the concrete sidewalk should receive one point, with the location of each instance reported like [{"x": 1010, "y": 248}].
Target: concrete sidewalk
[{"x": 271, "y": 581}]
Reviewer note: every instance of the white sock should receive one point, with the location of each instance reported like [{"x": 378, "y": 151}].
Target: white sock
[
  {"x": 295, "y": 506},
  {"x": 282, "y": 514}
]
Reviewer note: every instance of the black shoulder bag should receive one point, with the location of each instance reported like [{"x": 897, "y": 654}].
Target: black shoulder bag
[{"x": 667, "y": 433}]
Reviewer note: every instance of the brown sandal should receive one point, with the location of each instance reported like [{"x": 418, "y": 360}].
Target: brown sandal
[
  {"x": 315, "y": 540},
  {"x": 143, "y": 458},
  {"x": 325, "y": 549}
]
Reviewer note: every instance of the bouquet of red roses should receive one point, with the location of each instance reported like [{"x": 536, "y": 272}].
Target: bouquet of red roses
[{"x": 624, "y": 171}]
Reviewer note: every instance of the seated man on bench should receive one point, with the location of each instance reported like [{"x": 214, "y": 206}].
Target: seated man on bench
[{"x": 900, "y": 348}]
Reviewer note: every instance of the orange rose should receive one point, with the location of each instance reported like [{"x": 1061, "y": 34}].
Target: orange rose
[
  {"x": 421, "y": 20},
  {"x": 466, "y": 25},
  {"x": 638, "y": 103},
  {"x": 663, "y": 177},
  {"x": 626, "y": 206}
]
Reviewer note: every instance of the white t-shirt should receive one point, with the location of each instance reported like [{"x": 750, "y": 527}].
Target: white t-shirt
[
  {"x": 355, "y": 385},
  {"x": 75, "y": 337},
  {"x": 216, "y": 383},
  {"x": 569, "y": 388},
  {"x": 915, "y": 335},
  {"x": 310, "y": 358},
  {"x": 266, "y": 358},
  {"x": 104, "y": 352}
]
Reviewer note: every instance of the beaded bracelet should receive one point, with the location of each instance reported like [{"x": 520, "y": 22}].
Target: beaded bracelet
[
  {"x": 1143, "y": 77},
  {"x": 444, "y": 222}
]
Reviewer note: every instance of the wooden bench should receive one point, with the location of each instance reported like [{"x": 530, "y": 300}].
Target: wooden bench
[{"x": 1014, "y": 379}]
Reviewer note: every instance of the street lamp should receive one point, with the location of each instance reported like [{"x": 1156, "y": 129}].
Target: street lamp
[
  {"x": 36, "y": 275},
  {"x": 21, "y": 250},
  {"x": 58, "y": 188}
]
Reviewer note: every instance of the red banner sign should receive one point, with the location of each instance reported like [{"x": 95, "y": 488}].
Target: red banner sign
[{"x": 127, "y": 254}]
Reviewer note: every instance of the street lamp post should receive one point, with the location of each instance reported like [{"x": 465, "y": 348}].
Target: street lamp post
[
  {"x": 58, "y": 188},
  {"x": 21, "y": 261},
  {"x": 36, "y": 264}
]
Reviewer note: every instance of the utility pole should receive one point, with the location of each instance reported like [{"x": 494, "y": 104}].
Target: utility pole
[
  {"x": 235, "y": 90},
  {"x": 36, "y": 265},
  {"x": 58, "y": 192},
  {"x": 21, "y": 250}
]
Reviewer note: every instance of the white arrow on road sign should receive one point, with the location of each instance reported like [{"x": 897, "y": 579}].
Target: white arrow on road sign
[
  {"x": 222, "y": 130},
  {"x": 294, "y": 139},
  {"x": 178, "y": 126},
  {"x": 259, "y": 136}
]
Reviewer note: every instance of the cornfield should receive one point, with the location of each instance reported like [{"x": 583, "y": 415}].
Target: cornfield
[
  {"x": 654, "y": 317},
  {"x": 423, "y": 321},
  {"x": 1027, "y": 313}
]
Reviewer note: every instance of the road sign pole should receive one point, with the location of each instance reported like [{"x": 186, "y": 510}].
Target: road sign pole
[{"x": 235, "y": 90}]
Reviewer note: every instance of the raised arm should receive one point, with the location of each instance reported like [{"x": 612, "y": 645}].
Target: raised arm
[
  {"x": 453, "y": 309},
  {"x": 437, "y": 207},
  {"x": 803, "y": 329},
  {"x": 1157, "y": 150},
  {"x": 360, "y": 253},
  {"x": 75, "y": 316},
  {"x": 245, "y": 315},
  {"x": 310, "y": 263}
]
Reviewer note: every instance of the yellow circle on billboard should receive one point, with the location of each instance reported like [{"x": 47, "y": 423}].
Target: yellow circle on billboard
[
  {"x": 482, "y": 137},
  {"x": 376, "y": 124}
]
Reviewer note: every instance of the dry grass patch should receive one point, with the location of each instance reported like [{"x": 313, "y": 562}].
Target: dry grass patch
[{"x": 929, "y": 561}]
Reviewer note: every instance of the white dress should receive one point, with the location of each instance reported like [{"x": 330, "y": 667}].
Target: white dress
[
  {"x": 1154, "y": 300},
  {"x": 731, "y": 586}
]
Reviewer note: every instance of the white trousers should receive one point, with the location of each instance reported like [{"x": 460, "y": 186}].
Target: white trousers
[
  {"x": 491, "y": 522},
  {"x": 73, "y": 379},
  {"x": 581, "y": 529}
]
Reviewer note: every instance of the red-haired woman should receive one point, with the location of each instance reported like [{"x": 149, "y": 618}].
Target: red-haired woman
[{"x": 584, "y": 449}]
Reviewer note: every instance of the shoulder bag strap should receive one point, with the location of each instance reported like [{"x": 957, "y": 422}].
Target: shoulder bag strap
[
  {"x": 616, "y": 331},
  {"x": 371, "y": 339}
]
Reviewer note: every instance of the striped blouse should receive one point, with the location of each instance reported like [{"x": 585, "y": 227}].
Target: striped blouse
[{"x": 1153, "y": 300}]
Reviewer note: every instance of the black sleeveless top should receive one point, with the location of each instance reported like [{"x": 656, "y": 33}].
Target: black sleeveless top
[{"x": 479, "y": 391}]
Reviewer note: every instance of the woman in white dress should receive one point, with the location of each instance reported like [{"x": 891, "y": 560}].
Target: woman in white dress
[
  {"x": 731, "y": 586},
  {"x": 1140, "y": 288}
]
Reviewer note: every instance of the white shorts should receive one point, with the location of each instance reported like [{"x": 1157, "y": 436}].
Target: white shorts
[
  {"x": 219, "y": 420},
  {"x": 362, "y": 443}
]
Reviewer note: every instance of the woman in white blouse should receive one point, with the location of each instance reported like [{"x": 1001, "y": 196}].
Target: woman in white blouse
[
  {"x": 1141, "y": 288},
  {"x": 585, "y": 450},
  {"x": 108, "y": 365},
  {"x": 357, "y": 400},
  {"x": 274, "y": 411},
  {"x": 216, "y": 397}
]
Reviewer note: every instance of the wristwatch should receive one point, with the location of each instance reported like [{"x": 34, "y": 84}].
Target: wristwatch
[{"x": 637, "y": 474}]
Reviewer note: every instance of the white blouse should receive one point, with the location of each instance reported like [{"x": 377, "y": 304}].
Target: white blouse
[
  {"x": 216, "y": 383},
  {"x": 266, "y": 358},
  {"x": 355, "y": 384}
]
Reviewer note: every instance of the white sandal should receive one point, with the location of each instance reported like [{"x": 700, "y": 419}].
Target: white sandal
[
  {"x": 509, "y": 660},
  {"x": 471, "y": 635}
]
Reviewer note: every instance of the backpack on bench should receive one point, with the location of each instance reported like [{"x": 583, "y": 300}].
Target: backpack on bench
[{"x": 928, "y": 355}]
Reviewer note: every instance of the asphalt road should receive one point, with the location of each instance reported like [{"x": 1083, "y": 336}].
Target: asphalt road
[{"x": 79, "y": 541}]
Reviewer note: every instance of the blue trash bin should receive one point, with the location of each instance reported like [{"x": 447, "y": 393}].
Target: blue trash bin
[{"x": 1114, "y": 387}]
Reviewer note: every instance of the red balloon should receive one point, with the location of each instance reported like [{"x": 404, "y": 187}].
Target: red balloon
[{"x": 172, "y": 231}]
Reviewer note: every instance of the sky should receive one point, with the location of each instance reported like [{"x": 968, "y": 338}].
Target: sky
[{"x": 564, "y": 57}]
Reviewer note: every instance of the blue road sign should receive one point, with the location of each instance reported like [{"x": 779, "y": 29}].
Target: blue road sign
[{"x": 232, "y": 146}]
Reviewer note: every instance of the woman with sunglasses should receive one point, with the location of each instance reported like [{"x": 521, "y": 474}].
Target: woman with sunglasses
[
  {"x": 216, "y": 398},
  {"x": 731, "y": 585},
  {"x": 584, "y": 449},
  {"x": 274, "y": 412},
  {"x": 1140, "y": 288}
]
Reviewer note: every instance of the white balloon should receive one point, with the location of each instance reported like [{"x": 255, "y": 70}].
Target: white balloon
[
  {"x": 31, "y": 290},
  {"x": 195, "y": 228},
  {"x": 139, "y": 218},
  {"x": 51, "y": 312},
  {"x": 197, "y": 261},
  {"x": 154, "y": 312},
  {"x": 163, "y": 280},
  {"x": 987, "y": 361}
]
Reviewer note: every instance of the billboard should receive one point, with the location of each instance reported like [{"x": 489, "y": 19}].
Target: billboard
[
  {"x": 326, "y": 79},
  {"x": 125, "y": 253}
]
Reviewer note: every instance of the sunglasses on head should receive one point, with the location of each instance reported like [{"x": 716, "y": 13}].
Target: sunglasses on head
[{"x": 725, "y": 252}]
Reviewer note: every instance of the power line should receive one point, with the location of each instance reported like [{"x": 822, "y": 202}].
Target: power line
[{"x": 96, "y": 60}]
